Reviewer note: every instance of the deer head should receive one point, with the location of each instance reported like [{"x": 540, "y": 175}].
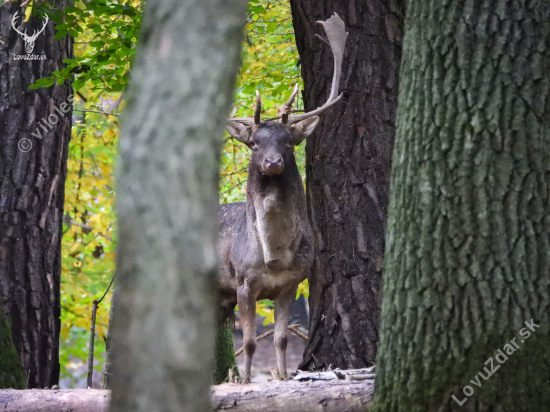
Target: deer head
[
  {"x": 29, "y": 40},
  {"x": 272, "y": 142}
]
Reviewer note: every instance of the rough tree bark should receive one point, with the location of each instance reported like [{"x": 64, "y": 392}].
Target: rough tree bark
[
  {"x": 178, "y": 103},
  {"x": 468, "y": 254},
  {"x": 348, "y": 171},
  {"x": 32, "y": 179}
]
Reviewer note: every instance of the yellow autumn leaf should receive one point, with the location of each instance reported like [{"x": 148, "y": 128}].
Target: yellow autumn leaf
[
  {"x": 65, "y": 329},
  {"x": 74, "y": 247},
  {"x": 28, "y": 11}
]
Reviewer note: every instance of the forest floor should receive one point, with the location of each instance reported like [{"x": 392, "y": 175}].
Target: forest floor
[{"x": 264, "y": 357}]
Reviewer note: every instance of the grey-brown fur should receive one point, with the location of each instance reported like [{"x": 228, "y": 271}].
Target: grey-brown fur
[{"x": 266, "y": 244}]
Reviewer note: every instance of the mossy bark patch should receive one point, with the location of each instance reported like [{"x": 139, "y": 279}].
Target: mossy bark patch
[
  {"x": 225, "y": 354},
  {"x": 11, "y": 375}
]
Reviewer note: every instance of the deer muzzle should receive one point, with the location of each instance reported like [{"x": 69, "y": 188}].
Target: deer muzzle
[{"x": 273, "y": 165}]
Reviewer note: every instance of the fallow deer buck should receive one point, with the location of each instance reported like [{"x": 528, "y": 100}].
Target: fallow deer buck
[{"x": 266, "y": 243}]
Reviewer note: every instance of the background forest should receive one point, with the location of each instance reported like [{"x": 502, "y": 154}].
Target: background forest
[
  {"x": 105, "y": 35},
  {"x": 444, "y": 102}
]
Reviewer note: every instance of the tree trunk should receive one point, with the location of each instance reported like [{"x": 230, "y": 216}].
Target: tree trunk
[
  {"x": 318, "y": 396},
  {"x": 468, "y": 254},
  {"x": 11, "y": 375},
  {"x": 348, "y": 171},
  {"x": 33, "y": 161},
  {"x": 178, "y": 103},
  {"x": 107, "y": 373},
  {"x": 224, "y": 355}
]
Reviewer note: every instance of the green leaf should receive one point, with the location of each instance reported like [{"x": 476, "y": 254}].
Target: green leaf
[
  {"x": 102, "y": 58},
  {"x": 117, "y": 87},
  {"x": 60, "y": 34},
  {"x": 271, "y": 27},
  {"x": 258, "y": 9},
  {"x": 129, "y": 11},
  {"x": 77, "y": 84}
]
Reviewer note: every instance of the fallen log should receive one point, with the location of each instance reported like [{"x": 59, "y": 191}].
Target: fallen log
[
  {"x": 288, "y": 396},
  {"x": 54, "y": 400},
  {"x": 292, "y": 396}
]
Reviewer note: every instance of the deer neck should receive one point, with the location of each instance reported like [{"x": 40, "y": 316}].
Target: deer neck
[{"x": 276, "y": 206}]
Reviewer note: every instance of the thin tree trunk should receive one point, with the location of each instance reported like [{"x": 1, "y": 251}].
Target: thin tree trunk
[
  {"x": 348, "y": 172},
  {"x": 468, "y": 254},
  {"x": 107, "y": 373},
  {"x": 224, "y": 355},
  {"x": 32, "y": 181},
  {"x": 179, "y": 99}
]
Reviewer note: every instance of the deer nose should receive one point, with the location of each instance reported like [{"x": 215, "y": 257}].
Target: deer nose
[{"x": 273, "y": 164}]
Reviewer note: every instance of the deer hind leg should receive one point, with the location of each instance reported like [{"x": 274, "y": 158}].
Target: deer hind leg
[
  {"x": 247, "y": 312},
  {"x": 283, "y": 304}
]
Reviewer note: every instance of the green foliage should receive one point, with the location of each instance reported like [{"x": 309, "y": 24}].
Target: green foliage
[
  {"x": 89, "y": 237},
  {"x": 106, "y": 35}
]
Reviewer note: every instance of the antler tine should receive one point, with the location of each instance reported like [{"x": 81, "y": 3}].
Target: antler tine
[
  {"x": 256, "y": 120},
  {"x": 336, "y": 34},
  {"x": 37, "y": 32},
  {"x": 258, "y": 111},
  {"x": 13, "y": 24},
  {"x": 284, "y": 111}
]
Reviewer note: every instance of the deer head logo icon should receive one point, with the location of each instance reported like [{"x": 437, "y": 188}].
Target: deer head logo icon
[{"x": 29, "y": 40}]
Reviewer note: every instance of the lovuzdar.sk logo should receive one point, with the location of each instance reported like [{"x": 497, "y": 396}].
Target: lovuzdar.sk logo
[{"x": 29, "y": 40}]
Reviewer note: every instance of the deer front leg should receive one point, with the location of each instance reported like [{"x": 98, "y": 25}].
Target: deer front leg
[
  {"x": 283, "y": 304},
  {"x": 247, "y": 312}
]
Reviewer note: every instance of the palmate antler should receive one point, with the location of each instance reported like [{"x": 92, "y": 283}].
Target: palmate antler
[{"x": 336, "y": 34}]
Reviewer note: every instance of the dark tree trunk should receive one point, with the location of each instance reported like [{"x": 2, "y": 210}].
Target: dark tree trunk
[
  {"x": 32, "y": 179},
  {"x": 348, "y": 172},
  {"x": 468, "y": 254},
  {"x": 167, "y": 202}
]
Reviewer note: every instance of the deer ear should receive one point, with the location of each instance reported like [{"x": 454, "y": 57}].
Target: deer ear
[
  {"x": 238, "y": 131},
  {"x": 304, "y": 128}
]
